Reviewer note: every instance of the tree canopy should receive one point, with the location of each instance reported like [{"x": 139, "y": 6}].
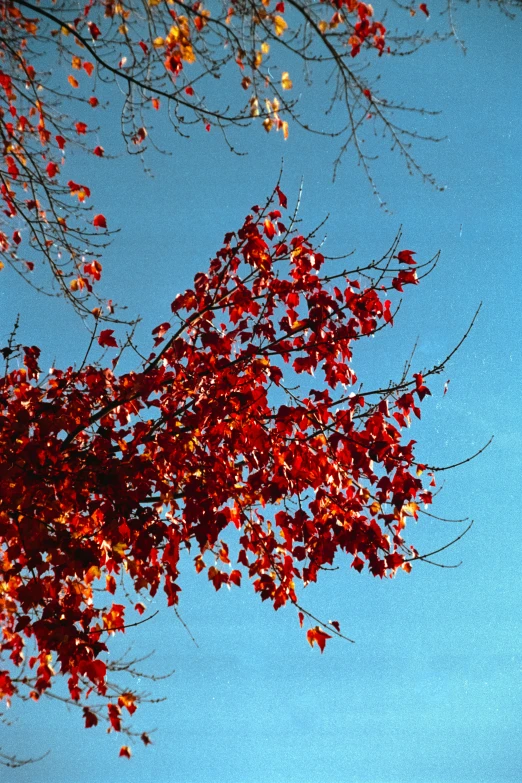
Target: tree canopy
[{"x": 214, "y": 446}]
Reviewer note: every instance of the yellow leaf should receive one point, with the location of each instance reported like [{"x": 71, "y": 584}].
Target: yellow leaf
[
  {"x": 323, "y": 26},
  {"x": 286, "y": 82},
  {"x": 265, "y": 47},
  {"x": 158, "y": 42},
  {"x": 280, "y": 25},
  {"x": 285, "y": 130}
]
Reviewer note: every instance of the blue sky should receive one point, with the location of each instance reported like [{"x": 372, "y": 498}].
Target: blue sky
[{"x": 432, "y": 690}]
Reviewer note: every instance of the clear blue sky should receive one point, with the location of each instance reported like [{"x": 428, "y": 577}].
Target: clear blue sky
[{"x": 432, "y": 690}]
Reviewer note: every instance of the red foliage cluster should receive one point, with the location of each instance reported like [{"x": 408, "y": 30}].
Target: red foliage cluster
[{"x": 106, "y": 475}]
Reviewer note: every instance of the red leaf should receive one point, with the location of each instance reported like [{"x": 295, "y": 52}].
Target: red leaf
[
  {"x": 99, "y": 221},
  {"x": 405, "y": 257},
  {"x": 269, "y": 228},
  {"x": 282, "y": 198},
  {"x": 99, "y": 151},
  {"x": 160, "y": 331},
  {"x": 90, "y": 718},
  {"x": 125, "y": 751},
  {"x": 424, "y": 8},
  {"x": 94, "y": 30},
  {"x": 317, "y": 636},
  {"x": 114, "y": 716},
  {"x": 96, "y": 671},
  {"x": 52, "y": 169},
  {"x": 106, "y": 339},
  {"x": 81, "y": 127}
]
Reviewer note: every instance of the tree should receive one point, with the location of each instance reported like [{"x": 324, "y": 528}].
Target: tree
[
  {"x": 166, "y": 55},
  {"x": 109, "y": 475},
  {"x": 123, "y": 471}
]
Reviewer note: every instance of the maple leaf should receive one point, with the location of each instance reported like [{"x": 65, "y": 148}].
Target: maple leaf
[
  {"x": 81, "y": 191},
  {"x": 127, "y": 700},
  {"x": 106, "y": 339},
  {"x": 406, "y": 256},
  {"x": 94, "y": 30},
  {"x": 125, "y": 751},
  {"x": 99, "y": 221},
  {"x": 317, "y": 636},
  {"x": 90, "y": 718},
  {"x": 52, "y": 169},
  {"x": 283, "y": 202}
]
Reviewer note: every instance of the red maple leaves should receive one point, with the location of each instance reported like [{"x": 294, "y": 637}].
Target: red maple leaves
[{"x": 106, "y": 476}]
